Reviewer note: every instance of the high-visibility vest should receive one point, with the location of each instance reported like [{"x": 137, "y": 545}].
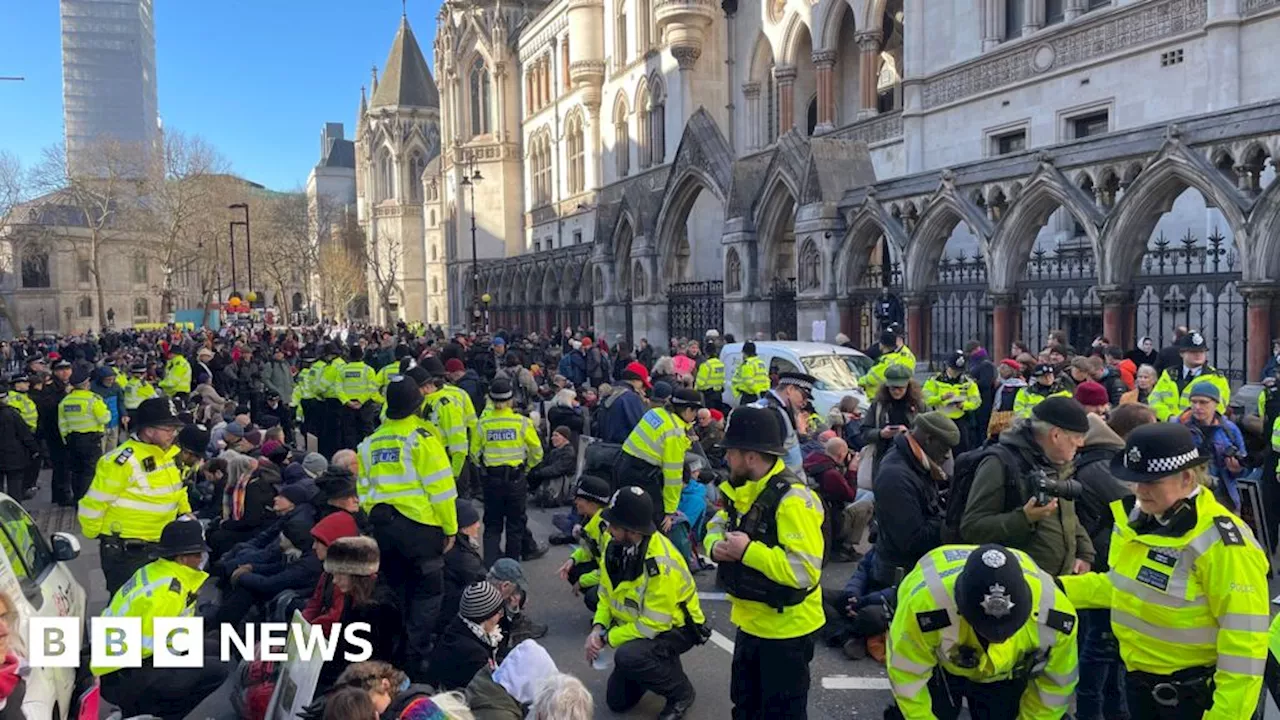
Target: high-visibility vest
[
  {"x": 402, "y": 465},
  {"x": 590, "y": 550},
  {"x": 442, "y": 409},
  {"x": 795, "y": 562},
  {"x": 1032, "y": 395},
  {"x": 135, "y": 391},
  {"x": 652, "y": 603},
  {"x": 1275, "y": 435},
  {"x": 1196, "y": 599},
  {"x": 26, "y": 407},
  {"x": 928, "y": 630},
  {"x": 358, "y": 382},
  {"x": 468, "y": 407},
  {"x": 161, "y": 589},
  {"x": 751, "y": 376},
  {"x": 505, "y": 439},
  {"x": 1170, "y": 402},
  {"x": 82, "y": 411},
  {"x": 384, "y": 376},
  {"x": 661, "y": 438},
  {"x": 177, "y": 376},
  {"x": 331, "y": 380},
  {"x": 876, "y": 375},
  {"x": 953, "y": 397},
  {"x": 136, "y": 490},
  {"x": 710, "y": 375}
]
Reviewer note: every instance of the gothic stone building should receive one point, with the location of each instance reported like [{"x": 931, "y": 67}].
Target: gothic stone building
[{"x": 657, "y": 168}]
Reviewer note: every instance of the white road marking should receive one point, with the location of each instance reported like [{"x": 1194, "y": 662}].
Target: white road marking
[
  {"x": 722, "y": 641},
  {"x": 713, "y": 596},
  {"x": 842, "y": 682}
]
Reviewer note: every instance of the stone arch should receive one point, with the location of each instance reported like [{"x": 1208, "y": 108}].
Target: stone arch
[
  {"x": 830, "y": 18},
  {"x": 1171, "y": 172},
  {"x": 866, "y": 226},
  {"x": 1264, "y": 226},
  {"x": 946, "y": 209},
  {"x": 774, "y": 219},
  {"x": 1044, "y": 192},
  {"x": 703, "y": 162},
  {"x": 624, "y": 236},
  {"x": 518, "y": 290},
  {"x": 791, "y": 38},
  {"x": 506, "y": 288},
  {"x": 551, "y": 287},
  {"x": 873, "y": 19}
]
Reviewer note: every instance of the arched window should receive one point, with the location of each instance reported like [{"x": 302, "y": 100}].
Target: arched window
[
  {"x": 811, "y": 118},
  {"x": 770, "y": 105},
  {"x": 577, "y": 164},
  {"x": 385, "y": 183},
  {"x": 644, "y": 23},
  {"x": 1014, "y": 16},
  {"x": 435, "y": 285},
  {"x": 85, "y": 306},
  {"x": 810, "y": 266},
  {"x": 480, "y": 103},
  {"x": 643, "y": 147},
  {"x": 417, "y": 164},
  {"x": 657, "y": 122},
  {"x": 431, "y": 221},
  {"x": 433, "y": 248},
  {"x": 141, "y": 308},
  {"x": 620, "y": 58},
  {"x": 548, "y": 192},
  {"x": 35, "y": 268},
  {"x": 732, "y": 271},
  {"x": 621, "y": 137}
]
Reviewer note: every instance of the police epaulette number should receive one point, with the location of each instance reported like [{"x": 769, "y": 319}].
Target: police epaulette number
[
  {"x": 423, "y": 432},
  {"x": 1231, "y": 534},
  {"x": 124, "y": 455},
  {"x": 651, "y": 566},
  {"x": 149, "y": 464},
  {"x": 175, "y": 586},
  {"x": 1061, "y": 621},
  {"x": 933, "y": 620}
]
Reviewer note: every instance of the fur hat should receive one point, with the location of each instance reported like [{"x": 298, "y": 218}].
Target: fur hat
[{"x": 352, "y": 556}]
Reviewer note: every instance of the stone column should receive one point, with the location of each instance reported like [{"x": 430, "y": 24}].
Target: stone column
[
  {"x": 1033, "y": 14},
  {"x": 1073, "y": 9},
  {"x": 751, "y": 99},
  {"x": 1117, "y": 315},
  {"x": 1258, "y": 328},
  {"x": 743, "y": 309},
  {"x": 785, "y": 76},
  {"x": 1004, "y": 317},
  {"x": 869, "y": 44},
  {"x": 824, "y": 62},
  {"x": 993, "y": 23},
  {"x": 918, "y": 316},
  {"x": 499, "y": 100}
]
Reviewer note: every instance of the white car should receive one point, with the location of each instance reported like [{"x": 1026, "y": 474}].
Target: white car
[
  {"x": 33, "y": 574},
  {"x": 837, "y": 368}
]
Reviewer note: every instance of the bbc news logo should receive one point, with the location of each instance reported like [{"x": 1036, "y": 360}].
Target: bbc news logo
[{"x": 179, "y": 642}]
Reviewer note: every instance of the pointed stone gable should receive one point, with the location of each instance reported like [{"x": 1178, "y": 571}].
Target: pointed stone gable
[{"x": 406, "y": 81}]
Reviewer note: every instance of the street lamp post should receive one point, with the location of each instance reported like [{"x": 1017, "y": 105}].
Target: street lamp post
[
  {"x": 248, "y": 243},
  {"x": 470, "y": 177},
  {"x": 231, "y": 233}
]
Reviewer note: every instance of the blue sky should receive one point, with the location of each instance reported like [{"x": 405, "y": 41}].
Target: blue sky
[{"x": 256, "y": 78}]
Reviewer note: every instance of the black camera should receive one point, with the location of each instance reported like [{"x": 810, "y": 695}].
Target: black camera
[{"x": 1047, "y": 488}]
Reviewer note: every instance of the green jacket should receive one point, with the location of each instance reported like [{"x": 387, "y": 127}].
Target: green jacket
[
  {"x": 490, "y": 701},
  {"x": 1055, "y": 542}
]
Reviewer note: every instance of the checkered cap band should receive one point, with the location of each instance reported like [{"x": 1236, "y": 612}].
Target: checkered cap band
[
  {"x": 802, "y": 384},
  {"x": 1162, "y": 465}
]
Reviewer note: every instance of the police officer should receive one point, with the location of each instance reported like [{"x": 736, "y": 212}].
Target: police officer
[
  {"x": 441, "y": 407},
  {"x": 454, "y": 370},
  {"x": 82, "y": 418},
  {"x": 1043, "y": 385},
  {"x": 986, "y": 625},
  {"x": 892, "y": 352},
  {"x": 648, "y": 610},
  {"x": 136, "y": 389},
  {"x": 751, "y": 377},
  {"x": 768, "y": 542},
  {"x": 791, "y": 400},
  {"x": 176, "y": 382},
  {"x": 710, "y": 379},
  {"x": 582, "y": 569},
  {"x": 653, "y": 456},
  {"x": 406, "y": 485},
  {"x": 308, "y": 390},
  {"x": 504, "y": 447},
  {"x": 137, "y": 489},
  {"x": 955, "y": 394},
  {"x": 167, "y": 587},
  {"x": 357, "y": 391},
  {"x": 47, "y": 401},
  {"x": 1187, "y": 588},
  {"x": 1171, "y": 395},
  {"x": 20, "y": 399},
  {"x": 330, "y": 437}
]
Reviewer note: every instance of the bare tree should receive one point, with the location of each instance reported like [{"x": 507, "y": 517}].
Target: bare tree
[
  {"x": 341, "y": 281},
  {"x": 382, "y": 257},
  {"x": 94, "y": 206},
  {"x": 185, "y": 214},
  {"x": 292, "y": 227},
  {"x": 12, "y": 193}
]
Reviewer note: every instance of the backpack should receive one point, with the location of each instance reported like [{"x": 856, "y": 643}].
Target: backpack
[{"x": 966, "y": 466}]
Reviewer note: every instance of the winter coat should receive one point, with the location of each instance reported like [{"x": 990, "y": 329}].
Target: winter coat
[
  {"x": 258, "y": 496},
  {"x": 269, "y": 580},
  {"x": 559, "y": 462},
  {"x": 1055, "y": 542},
  {"x": 864, "y": 586},
  {"x": 1115, "y": 385},
  {"x": 645, "y": 356},
  {"x": 458, "y": 656},
  {"x": 295, "y": 525},
  {"x": 597, "y": 367},
  {"x": 573, "y": 367},
  {"x": 326, "y": 603},
  {"x": 490, "y": 701},
  {"x": 386, "y": 633},
  {"x": 835, "y": 483},
  {"x": 114, "y": 398},
  {"x": 908, "y": 508},
  {"x": 984, "y": 376},
  {"x": 462, "y": 566},
  {"x": 18, "y": 447},
  {"x": 571, "y": 417},
  {"x": 895, "y": 412},
  {"x": 278, "y": 378},
  {"x": 470, "y": 384},
  {"x": 412, "y": 703},
  {"x": 623, "y": 410},
  {"x": 1093, "y": 471}
]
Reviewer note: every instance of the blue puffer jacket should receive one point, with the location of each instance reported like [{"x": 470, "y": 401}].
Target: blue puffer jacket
[
  {"x": 623, "y": 411},
  {"x": 861, "y": 583}
]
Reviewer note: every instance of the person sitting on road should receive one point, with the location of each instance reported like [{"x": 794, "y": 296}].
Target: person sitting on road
[
  {"x": 517, "y": 626},
  {"x": 395, "y": 698},
  {"x": 503, "y": 693},
  {"x": 835, "y": 469},
  {"x": 561, "y": 463},
  {"x": 295, "y": 516},
  {"x": 470, "y": 641},
  {"x": 858, "y": 616},
  {"x": 462, "y": 563}
]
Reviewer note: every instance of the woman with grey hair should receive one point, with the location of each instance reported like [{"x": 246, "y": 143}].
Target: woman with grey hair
[{"x": 561, "y": 697}]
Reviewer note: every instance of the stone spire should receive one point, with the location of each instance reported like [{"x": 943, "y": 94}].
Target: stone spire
[{"x": 406, "y": 81}]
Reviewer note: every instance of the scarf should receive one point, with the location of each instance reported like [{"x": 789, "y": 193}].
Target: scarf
[
  {"x": 11, "y": 673},
  {"x": 492, "y": 639},
  {"x": 233, "y": 499},
  {"x": 934, "y": 470}
]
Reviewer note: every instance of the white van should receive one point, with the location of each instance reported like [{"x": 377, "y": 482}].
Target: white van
[
  {"x": 33, "y": 573},
  {"x": 837, "y": 368}
]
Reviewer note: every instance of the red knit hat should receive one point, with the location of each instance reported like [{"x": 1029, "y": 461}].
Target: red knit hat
[
  {"x": 454, "y": 365},
  {"x": 1091, "y": 394},
  {"x": 1012, "y": 363},
  {"x": 635, "y": 370},
  {"x": 336, "y": 525}
]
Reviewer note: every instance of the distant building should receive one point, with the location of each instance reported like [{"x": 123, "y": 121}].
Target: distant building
[{"x": 108, "y": 75}]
